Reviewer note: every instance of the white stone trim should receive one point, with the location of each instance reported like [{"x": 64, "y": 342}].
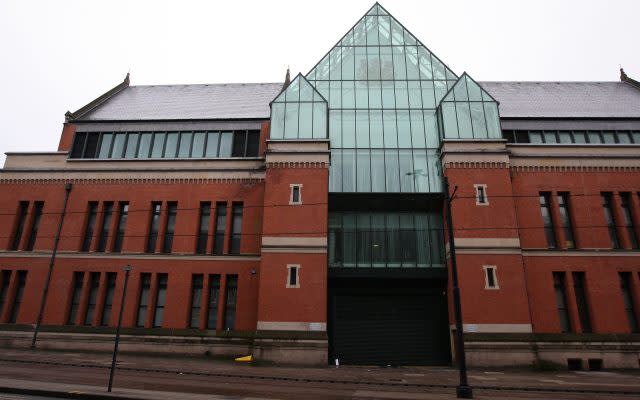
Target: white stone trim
[
  {"x": 486, "y": 269},
  {"x": 579, "y": 253},
  {"x": 291, "y": 326},
  {"x": 300, "y": 250},
  {"x": 288, "y": 283},
  {"x": 486, "y": 197},
  {"x": 294, "y": 241},
  {"x": 133, "y": 256},
  {"x": 496, "y": 328},
  {"x": 484, "y": 243},
  {"x": 292, "y": 186}
]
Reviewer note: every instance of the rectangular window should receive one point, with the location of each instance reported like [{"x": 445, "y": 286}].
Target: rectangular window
[
  {"x": 236, "y": 229},
  {"x": 625, "y": 286},
  {"x": 547, "y": 220},
  {"x": 172, "y": 210},
  {"x": 203, "y": 230},
  {"x": 108, "y": 298},
  {"x": 143, "y": 301},
  {"x": 17, "y": 299},
  {"x": 231, "y": 298},
  {"x": 22, "y": 218},
  {"x": 161, "y": 300},
  {"x": 490, "y": 277},
  {"x": 94, "y": 286},
  {"x": 154, "y": 225},
  {"x": 107, "y": 213},
  {"x": 561, "y": 301},
  {"x": 212, "y": 306},
  {"x": 292, "y": 276},
  {"x": 296, "y": 194},
  {"x": 607, "y": 206},
  {"x": 4, "y": 290},
  {"x": 565, "y": 220},
  {"x": 221, "y": 226},
  {"x": 580, "y": 290},
  {"x": 481, "y": 195},
  {"x": 91, "y": 225},
  {"x": 78, "y": 145},
  {"x": 37, "y": 215},
  {"x": 78, "y": 280},
  {"x": 628, "y": 219},
  {"x": 239, "y": 144},
  {"x": 196, "y": 300},
  {"x": 123, "y": 215}
]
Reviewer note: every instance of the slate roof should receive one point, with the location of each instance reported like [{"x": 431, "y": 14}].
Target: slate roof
[
  {"x": 565, "y": 99},
  {"x": 251, "y": 101},
  {"x": 172, "y": 102}
]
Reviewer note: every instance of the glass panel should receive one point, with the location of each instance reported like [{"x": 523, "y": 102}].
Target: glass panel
[
  {"x": 348, "y": 63},
  {"x": 565, "y": 137},
  {"x": 535, "y": 137},
  {"x": 417, "y": 129},
  {"x": 376, "y": 132},
  {"x": 364, "y": 169},
  {"x": 212, "y": 144},
  {"x": 348, "y": 128},
  {"x": 392, "y": 172},
  {"x": 609, "y": 137},
  {"x": 464, "y": 120},
  {"x": 105, "y": 145},
  {"x": 305, "y": 124},
  {"x": 623, "y": 137},
  {"x": 404, "y": 129},
  {"x": 335, "y": 171},
  {"x": 550, "y": 137},
  {"x": 493, "y": 119},
  {"x": 335, "y": 128},
  {"x": 362, "y": 94},
  {"x": 132, "y": 146},
  {"x": 362, "y": 129},
  {"x": 290, "y": 121},
  {"x": 198, "y": 145},
  {"x": 377, "y": 171},
  {"x": 390, "y": 129},
  {"x": 226, "y": 142},
  {"x": 145, "y": 145},
  {"x": 475, "y": 93},
  {"x": 449, "y": 120},
  {"x": 431, "y": 129},
  {"x": 348, "y": 94},
  {"x": 477, "y": 120},
  {"x": 277, "y": 121},
  {"x": 320, "y": 120},
  {"x": 594, "y": 137},
  {"x": 420, "y": 171},
  {"x": 415, "y": 95},
  {"x": 360, "y": 63},
  {"x": 171, "y": 146},
  {"x": 399, "y": 65},
  {"x": 185, "y": 145},
  {"x": 348, "y": 171},
  {"x": 384, "y": 30},
  {"x": 406, "y": 171},
  {"x": 401, "y": 94},
  {"x": 118, "y": 145},
  {"x": 579, "y": 137},
  {"x": 158, "y": 145},
  {"x": 386, "y": 63},
  {"x": 460, "y": 91}
]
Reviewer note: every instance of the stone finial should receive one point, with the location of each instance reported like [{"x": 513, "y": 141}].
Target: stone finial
[
  {"x": 287, "y": 79},
  {"x": 623, "y": 75}
]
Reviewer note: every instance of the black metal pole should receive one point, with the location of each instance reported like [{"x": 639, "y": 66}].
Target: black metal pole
[
  {"x": 463, "y": 390},
  {"x": 43, "y": 300},
  {"x": 127, "y": 269}
]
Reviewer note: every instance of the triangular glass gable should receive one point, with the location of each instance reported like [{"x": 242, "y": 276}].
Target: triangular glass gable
[
  {"x": 299, "y": 112},
  {"x": 382, "y": 86},
  {"x": 468, "y": 112}
]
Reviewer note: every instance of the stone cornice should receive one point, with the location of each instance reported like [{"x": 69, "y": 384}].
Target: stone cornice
[{"x": 114, "y": 181}]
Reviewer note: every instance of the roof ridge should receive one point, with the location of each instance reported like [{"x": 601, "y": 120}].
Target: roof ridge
[
  {"x": 208, "y": 84},
  {"x": 550, "y": 81}
]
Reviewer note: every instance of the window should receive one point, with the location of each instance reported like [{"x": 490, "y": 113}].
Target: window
[
  {"x": 236, "y": 229},
  {"x": 230, "y": 302},
  {"x": 196, "y": 300},
  {"x": 610, "y": 220},
  {"x": 292, "y": 276},
  {"x": 143, "y": 301},
  {"x": 161, "y": 300},
  {"x": 547, "y": 220},
  {"x": 17, "y": 298},
  {"x": 490, "y": 277},
  {"x": 22, "y": 218},
  {"x": 94, "y": 286},
  {"x": 37, "y": 215},
  {"x": 78, "y": 280},
  {"x": 108, "y": 298},
  {"x": 296, "y": 194},
  {"x": 107, "y": 213},
  {"x": 212, "y": 306},
  {"x": 4, "y": 290},
  {"x": 221, "y": 226},
  {"x": 154, "y": 225},
  {"x": 628, "y": 219},
  {"x": 561, "y": 301},
  {"x": 568, "y": 137},
  {"x": 123, "y": 214},
  {"x": 91, "y": 225},
  {"x": 481, "y": 195},
  {"x": 565, "y": 220},
  {"x": 172, "y": 210},
  {"x": 581, "y": 301},
  {"x": 625, "y": 286},
  {"x": 203, "y": 230}
]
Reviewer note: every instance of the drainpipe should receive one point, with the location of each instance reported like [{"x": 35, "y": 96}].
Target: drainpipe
[{"x": 67, "y": 188}]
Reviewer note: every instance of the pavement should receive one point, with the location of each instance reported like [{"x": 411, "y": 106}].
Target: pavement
[{"x": 56, "y": 374}]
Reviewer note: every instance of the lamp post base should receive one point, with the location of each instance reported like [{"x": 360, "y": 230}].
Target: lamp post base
[{"x": 464, "y": 392}]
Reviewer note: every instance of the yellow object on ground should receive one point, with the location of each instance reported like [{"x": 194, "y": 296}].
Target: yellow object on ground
[{"x": 245, "y": 358}]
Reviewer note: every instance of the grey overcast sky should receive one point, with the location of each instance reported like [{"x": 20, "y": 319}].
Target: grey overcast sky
[{"x": 59, "y": 55}]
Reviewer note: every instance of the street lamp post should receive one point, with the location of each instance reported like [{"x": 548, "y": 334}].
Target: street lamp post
[{"x": 127, "y": 270}]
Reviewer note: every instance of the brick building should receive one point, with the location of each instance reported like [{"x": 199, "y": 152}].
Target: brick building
[{"x": 303, "y": 222}]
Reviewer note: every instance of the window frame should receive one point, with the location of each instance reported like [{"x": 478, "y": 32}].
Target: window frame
[
  {"x": 481, "y": 193},
  {"x": 292, "y": 201},
  {"x": 290, "y": 269},
  {"x": 494, "y": 273}
]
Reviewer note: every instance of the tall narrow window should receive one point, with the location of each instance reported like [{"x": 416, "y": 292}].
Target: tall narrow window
[
  {"x": 17, "y": 299},
  {"x": 91, "y": 225},
  {"x": 22, "y": 218},
  {"x": 579, "y": 288},
  {"x": 545, "y": 210},
  {"x": 143, "y": 301},
  {"x": 628, "y": 220},
  {"x": 203, "y": 230},
  {"x": 78, "y": 278},
  {"x": 108, "y": 298},
  {"x": 161, "y": 301},
  {"x": 196, "y": 300},
  {"x": 4, "y": 289},
  {"x": 565, "y": 220},
  {"x": 230, "y": 302},
  {"x": 37, "y": 215},
  {"x": 292, "y": 276},
  {"x": 236, "y": 229},
  {"x": 154, "y": 225},
  {"x": 625, "y": 286},
  {"x": 607, "y": 206},
  {"x": 481, "y": 195},
  {"x": 212, "y": 306},
  {"x": 120, "y": 228},
  {"x": 221, "y": 223},
  {"x": 172, "y": 210},
  {"x": 94, "y": 286},
  {"x": 561, "y": 301},
  {"x": 107, "y": 213},
  {"x": 490, "y": 277},
  {"x": 296, "y": 194}
]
